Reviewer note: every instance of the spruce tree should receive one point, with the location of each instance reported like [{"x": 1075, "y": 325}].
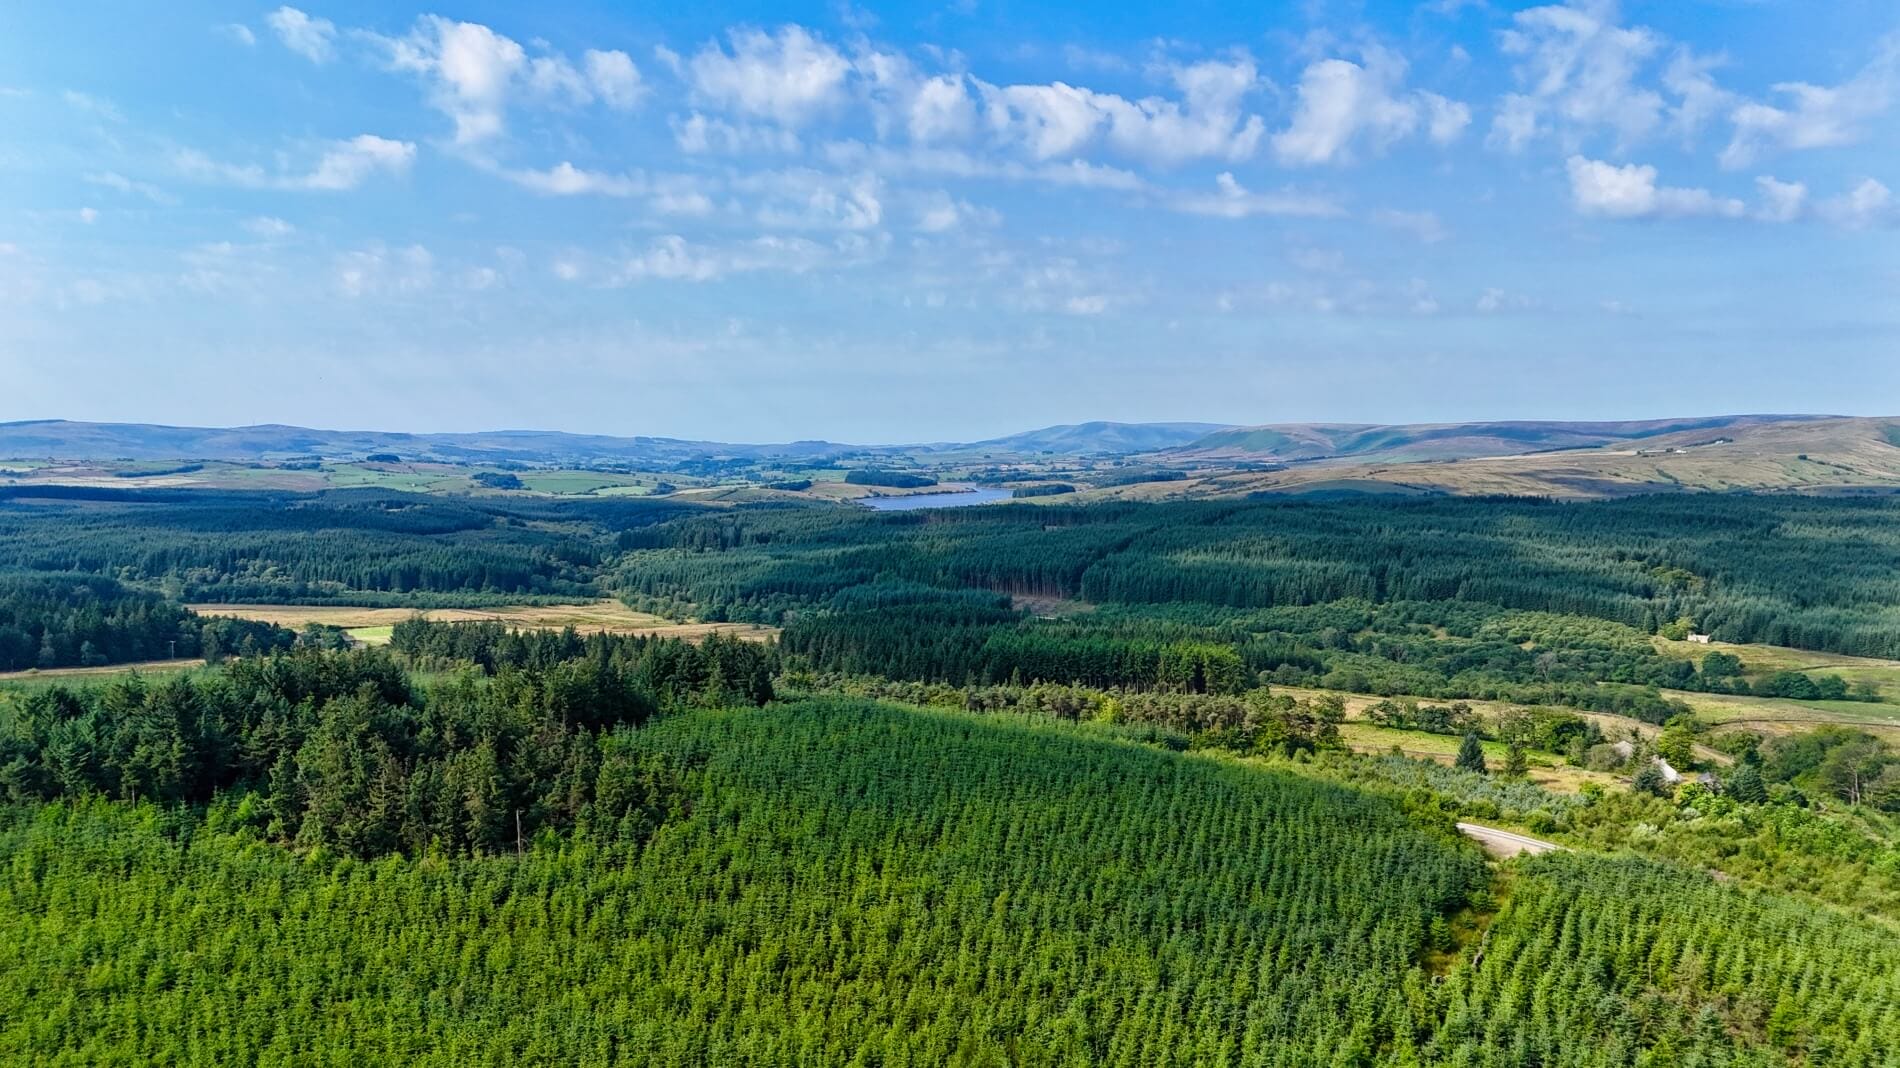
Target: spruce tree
[
  {"x": 1516, "y": 764},
  {"x": 1471, "y": 755},
  {"x": 1746, "y": 786}
]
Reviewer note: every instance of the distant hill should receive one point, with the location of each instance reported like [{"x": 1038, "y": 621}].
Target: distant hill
[
  {"x": 1086, "y": 439},
  {"x": 139, "y": 441},
  {"x": 1446, "y": 441},
  {"x": 1800, "y": 454},
  {"x": 61, "y": 439}
]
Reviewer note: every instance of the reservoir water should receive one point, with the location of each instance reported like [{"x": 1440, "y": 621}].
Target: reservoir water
[{"x": 957, "y": 499}]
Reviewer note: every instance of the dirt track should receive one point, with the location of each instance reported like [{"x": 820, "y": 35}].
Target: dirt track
[{"x": 1506, "y": 844}]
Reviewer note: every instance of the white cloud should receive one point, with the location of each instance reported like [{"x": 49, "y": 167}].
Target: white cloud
[
  {"x": 343, "y": 165},
  {"x": 565, "y": 179},
  {"x": 269, "y": 226},
  {"x": 1867, "y": 204},
  {"x": 88, "y": 216},
  {"x": 1816, "y": 116},
  {"x": 1422, "y": 225},
  {"x": 614, "y": 78},
  {"x": 1493, "y": 301},
  {"x": 1698, "y": 99},
  {"x": 1515, "y": 123},
  {"x": 472, "y": 74},
  {"x": 1231, "y": 200},
  {"x": 939, "y": 213},
  {"x": 941, "y": 110},
  {"x": 1207, "y": 122},
  {"x": 1075, "y": 173},
  {"x": 1630, "y": 192},
  {"x": 379, "y": 271},
  {"x": 1046, "y": 120},
  {"x": 469, "y": 67},
  {"x": 348, "y": 163},
  {"x": 811, "y": 200},
  {"x": 1780, "y": 201},
  {"x": 674, "y": 258},
  {"x": 699, "y": 135},
  {"x": 311, "y": 38},
  {"x": 1342, "y": 103},
  {"x": 788, "y": 78},
  {"x": 120, "y": 183},
  {"x": 1578, "y": 67},
  {"x": 239, "y": 33}
]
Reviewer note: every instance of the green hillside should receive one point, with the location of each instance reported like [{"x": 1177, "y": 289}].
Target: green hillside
[{"x": 846, "y": 883}]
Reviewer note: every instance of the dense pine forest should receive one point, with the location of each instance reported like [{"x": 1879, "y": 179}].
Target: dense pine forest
[
  {"x": 1024, "y": 784},
  {"x": 55, "y": 621},
  {"x": 839, "y": 882}
]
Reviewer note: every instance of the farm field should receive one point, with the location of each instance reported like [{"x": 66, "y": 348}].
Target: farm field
[
  {"x": 1780, "y": 715},
  {"x": 50, "y": 676},
  {"x": 1758, "y": 660},
  {"x": 371, "y": 626}
]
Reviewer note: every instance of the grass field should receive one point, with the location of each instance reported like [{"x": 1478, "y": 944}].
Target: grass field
[
  {"x": 372, "y": 625},
  {"x": 1548, "y": 770},
  {"x": 49, "y": 676},
  {"x": 1777, "y": 715},
  {"x": 1760, "y": 660}
]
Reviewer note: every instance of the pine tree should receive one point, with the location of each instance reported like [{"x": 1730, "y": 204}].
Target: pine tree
[
  {"x": 1516, "y": 764},
  {"x": 1471, "y": 755},
  {"x": 1746, "y": 786}
]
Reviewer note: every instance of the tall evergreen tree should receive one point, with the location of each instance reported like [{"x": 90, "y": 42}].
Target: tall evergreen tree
[{"x": 1471, "y": 755}]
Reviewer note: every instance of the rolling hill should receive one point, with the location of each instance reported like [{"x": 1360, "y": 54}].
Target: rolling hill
[
  {"x": 1095, "y": 438},
  {"x": 1447, "y": 441},
  {"x": 1803, "y": 454},
  {"x": 68, "y": 440}
]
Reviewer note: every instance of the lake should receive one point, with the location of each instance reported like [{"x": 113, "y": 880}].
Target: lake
[{"x": 973, "y": 495}]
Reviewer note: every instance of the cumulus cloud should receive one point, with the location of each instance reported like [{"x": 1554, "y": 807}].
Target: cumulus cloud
[
  {"x": 614, "y": 77},
  {"x": 788, "y": 77},
  {"x": 1342, "y": 103},
  {"x": 311, "y": 38},
  {"x": 343, "y": 165},
  {"x": 565, "y": 179},
  {"x": 1231, "y": 200},
  {"x": 939, "y": 212},
  {"x": 1578, "y": 68},
  {"x": 1631, "y": 192},
  {"x": 473, "y": 74},
  {"x": 699, "y": 134},
  {"x": 1867, "y": 204},
  {"x": 1815, "y": 116},
  {"x": 808, "y": 200},
  {"x": 1780, "y": 201},
  {"x": 940, "y": 109},
  {"x": 1045, "y": 120},
  {"x": 1206, "y": 121}
]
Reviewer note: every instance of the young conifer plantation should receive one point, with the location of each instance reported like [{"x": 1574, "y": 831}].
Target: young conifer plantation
[{"x": 840, "y": 882}]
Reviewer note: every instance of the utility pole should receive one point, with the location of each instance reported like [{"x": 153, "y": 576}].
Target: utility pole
[
  {"x": 174, "y": 648},
  {"x": 517, "y": 832}
]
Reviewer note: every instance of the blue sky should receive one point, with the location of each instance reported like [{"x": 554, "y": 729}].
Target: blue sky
[{"x": 932, "y": 221}]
